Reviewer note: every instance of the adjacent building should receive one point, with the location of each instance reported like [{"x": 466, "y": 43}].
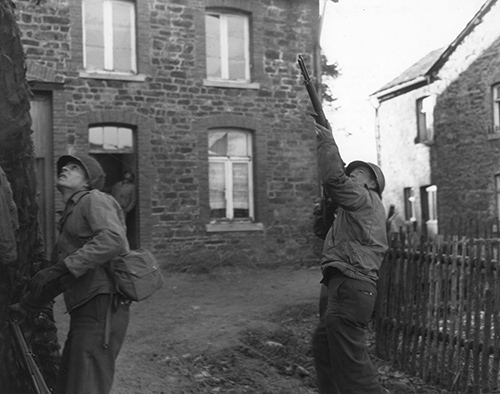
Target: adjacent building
[
  {"x": 201, "y": 100},
  {"x": 438, "y": 128}
]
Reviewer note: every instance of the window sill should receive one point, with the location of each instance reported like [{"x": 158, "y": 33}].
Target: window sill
[
  {"x": 113, "y": 76},
  {"x": 494, "y": 136},
  {"x": 423, "y": 142},
  {"x": 231, "y": 84},
  {"x": 233, "y": 226}
]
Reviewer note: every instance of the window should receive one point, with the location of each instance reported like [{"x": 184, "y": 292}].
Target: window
[
  {"x": 496, "y": 108},
  {"x": 428, "y": 199},
  {"x": 409, "y": 200},
  {"x": 109, "y": 36},
  {"x": 227, "y": 46},
  {"x": 425, "y": 119},
  {"x": 111, "y": 139},
  {"x": 431, "y": 202},
  {"x": 497, "y": 190},
  {"x": 230, "y": 174}
]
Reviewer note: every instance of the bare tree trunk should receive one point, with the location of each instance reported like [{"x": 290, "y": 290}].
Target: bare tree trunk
[{"x": 17, "y": 159}]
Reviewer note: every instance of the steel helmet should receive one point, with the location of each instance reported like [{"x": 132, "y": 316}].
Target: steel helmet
[
  {"x": 95, "y": 173},
  {"x": 375, "y": 169}
]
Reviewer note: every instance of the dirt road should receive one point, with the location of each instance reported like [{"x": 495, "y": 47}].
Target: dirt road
[
  {"x": 198, "y": 316},
  {"x": 230, "y": 331}
]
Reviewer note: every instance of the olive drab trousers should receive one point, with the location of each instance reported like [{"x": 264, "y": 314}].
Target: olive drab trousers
[
  {"x": 87, "y": 367},
  {"x": 341, "y": 358}
]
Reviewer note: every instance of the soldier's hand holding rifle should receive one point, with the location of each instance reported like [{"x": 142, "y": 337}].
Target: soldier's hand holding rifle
[{"x": 322, "y": 132}]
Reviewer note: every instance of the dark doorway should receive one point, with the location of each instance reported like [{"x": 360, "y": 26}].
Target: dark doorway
[
  {"x": 114, "y": 166},
  {"x": 114, "y": 147}
]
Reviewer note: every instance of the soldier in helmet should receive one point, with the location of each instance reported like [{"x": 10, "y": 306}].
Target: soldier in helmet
[
  {"x": 352, "y": 255},
  {"x": 91, "y": 233}
]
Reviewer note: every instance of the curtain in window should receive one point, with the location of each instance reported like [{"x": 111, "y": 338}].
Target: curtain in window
[
  {"x": 217, "y": 189},
  {"x": 227, "y": 46},
  {"x": 236, "y": 46},
  {"x": 109, "y": 35},
  {"x": 230, "y": 183},
  {"x": 122, "y": 21},
  {"x": 240, "y": 189},
  {"x": 94, "y": 34}
]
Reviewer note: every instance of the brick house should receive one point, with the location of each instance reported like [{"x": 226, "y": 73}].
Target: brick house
[
  {"x": 201, "y": 100},
  {"x": 438, "y": 130}
]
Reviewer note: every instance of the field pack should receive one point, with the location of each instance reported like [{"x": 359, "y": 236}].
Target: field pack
[{"x": 136, "y": 274}]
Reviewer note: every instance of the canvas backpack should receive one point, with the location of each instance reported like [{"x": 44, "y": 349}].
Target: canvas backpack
[{"x": 136, "y": 274}]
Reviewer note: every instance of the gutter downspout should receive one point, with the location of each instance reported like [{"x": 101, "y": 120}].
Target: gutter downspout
[{"x": 378, "y": 145}]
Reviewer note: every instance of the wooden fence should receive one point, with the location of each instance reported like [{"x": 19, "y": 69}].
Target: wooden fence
[{"x": 438, "y": 312}]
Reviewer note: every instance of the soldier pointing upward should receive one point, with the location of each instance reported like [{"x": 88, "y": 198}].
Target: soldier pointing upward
[{"x": 352, "y": 255}]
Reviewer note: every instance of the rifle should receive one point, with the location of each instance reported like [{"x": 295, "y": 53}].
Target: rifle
[
  {"x": 318, "y": 115},
  {"x": 323, "y": 223},
  {"x": 29, "y": 362}
]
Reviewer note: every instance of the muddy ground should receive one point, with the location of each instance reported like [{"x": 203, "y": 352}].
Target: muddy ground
[{"x": 228, "y": 331}]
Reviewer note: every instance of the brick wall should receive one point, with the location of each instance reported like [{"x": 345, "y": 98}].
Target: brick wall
[
  {"x": 171, "y": 109},
  {"x": 466, "y": 157}
]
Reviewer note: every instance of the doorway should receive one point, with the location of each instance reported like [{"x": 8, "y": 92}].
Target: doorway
[{"x": 114, "y": 148}]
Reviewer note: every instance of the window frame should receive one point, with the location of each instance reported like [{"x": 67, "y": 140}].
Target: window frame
[
  {"x": 130, "y": 150},
  {"x": 410, "y": 204},
  {"x": 224, "y": 50},
  {"x": 495, "y": 100},
  {"x": 109, "y": 61},
  {"x": 497, "y": 194},
  {"x": 425, "y": 119},
  {"x": 228, "y": 162},
  {"x": 431, "y": 192}
]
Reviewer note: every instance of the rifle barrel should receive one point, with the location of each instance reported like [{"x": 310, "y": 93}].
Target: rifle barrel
[
  {"x": 303, "y": 69},
  {"x": 313, "y": 94},
  {"x": 32, "y": 368}
]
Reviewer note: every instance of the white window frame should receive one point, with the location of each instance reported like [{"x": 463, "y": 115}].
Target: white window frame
[
  {"x": 224, "y": 50},
  {"x": 117, "y": 129},
  {"x": 497, "y": 191},
  {"x": 108, "y": 37},
  {"x": 228, "y": 174},
  {"x": 409, "y": 194},
  {"x": 425, "y": 118},
  {"x": 496, "y": 107},
  {"x": 432, "y": 202},
  {"x": 432, "y": 221}
]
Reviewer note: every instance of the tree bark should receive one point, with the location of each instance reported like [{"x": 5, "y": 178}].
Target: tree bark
[{"x": 17, "y": 160}]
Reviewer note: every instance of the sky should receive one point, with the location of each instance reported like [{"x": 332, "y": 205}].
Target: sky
[{"x": 373, "y": 41}]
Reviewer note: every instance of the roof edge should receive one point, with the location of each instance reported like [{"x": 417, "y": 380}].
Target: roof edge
[
  {"x": 393, "y": 91},
  {"x": 431, "y": 73},
  {"x": 476, "y": 20}
]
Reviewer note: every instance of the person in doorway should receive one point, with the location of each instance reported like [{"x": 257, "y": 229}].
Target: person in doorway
[
  {"x": 124, "y": 192},
  {"x": 393, "y": 223},
  {"x": 352, "y": 254},
  {"x": 91, "y": 233}
]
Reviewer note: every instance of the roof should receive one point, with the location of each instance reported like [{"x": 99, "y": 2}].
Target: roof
[
  {"x": 426, "y": 69},
  {"x": 419, "y": 69}
]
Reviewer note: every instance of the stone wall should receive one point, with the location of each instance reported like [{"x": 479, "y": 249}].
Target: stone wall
[
  {"x": 171, "y": 108},
  {"x": 463, "y": 158},
  {"x": 466, "y": 154}
]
